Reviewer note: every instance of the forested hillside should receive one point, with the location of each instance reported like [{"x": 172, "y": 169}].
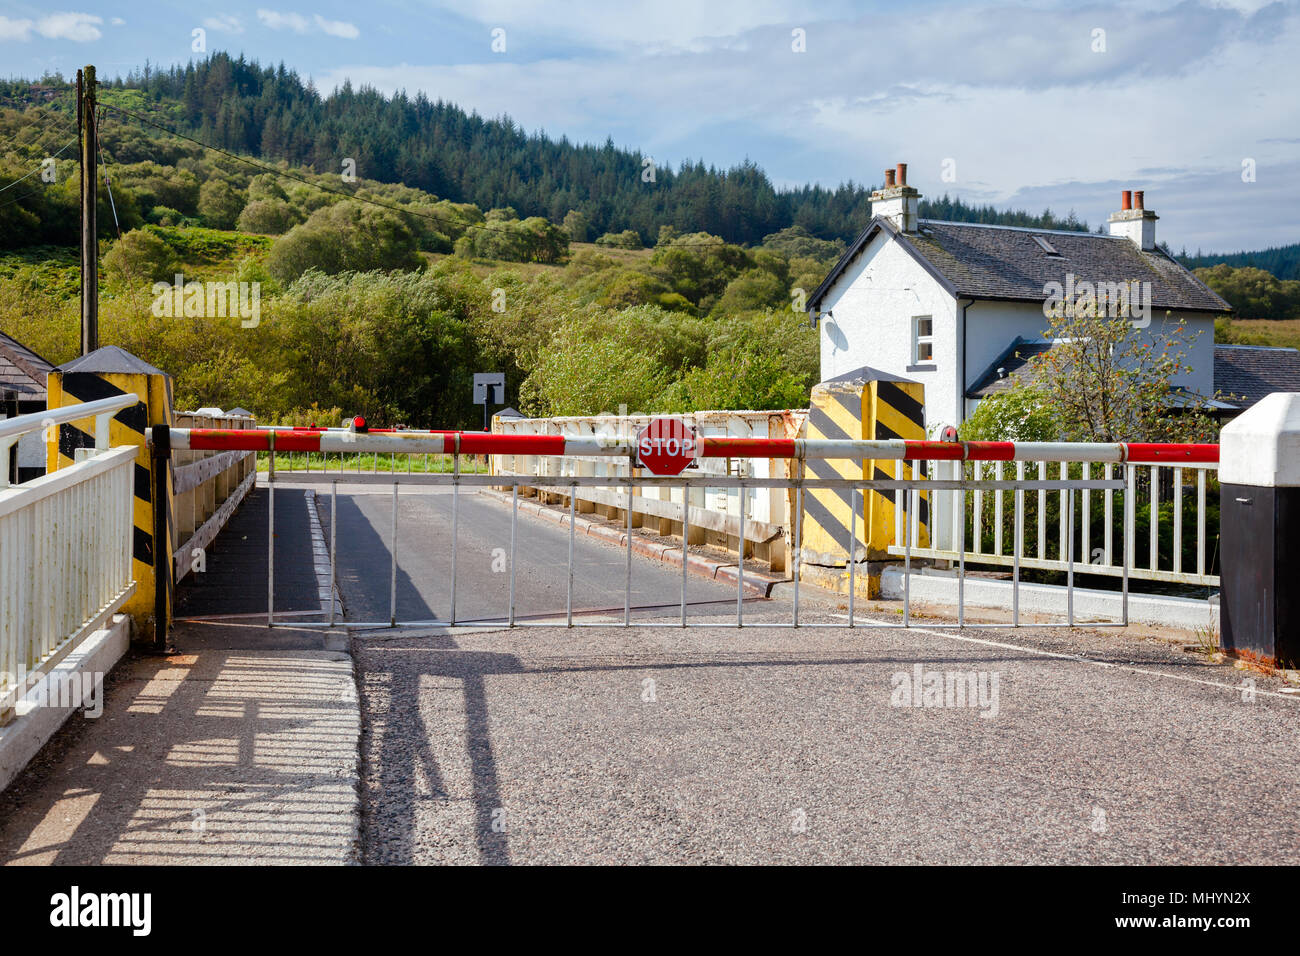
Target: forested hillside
[
  {"x": 1282, "y": 261},
  {"x": 270, "y": 112}
]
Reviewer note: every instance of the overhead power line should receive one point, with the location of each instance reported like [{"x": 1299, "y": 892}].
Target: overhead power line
[
  {"x": 107, "y": 182},
  {"x": 38, "y": 168}
]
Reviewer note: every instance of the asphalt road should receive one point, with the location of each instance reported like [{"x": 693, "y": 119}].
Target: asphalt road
[
  {"x": 658, "y": 744},
  {"x": 483, "y": 579}
]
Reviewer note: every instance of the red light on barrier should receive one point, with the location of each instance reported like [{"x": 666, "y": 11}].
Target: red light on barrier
[{"x": 359, "y": 423}]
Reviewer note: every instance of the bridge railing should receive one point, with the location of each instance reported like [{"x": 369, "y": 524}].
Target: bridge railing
[
  {"x": 65, "y": 549},
  {"x": 1162, "y": 524},
  {"x": 207, "y": 487}
]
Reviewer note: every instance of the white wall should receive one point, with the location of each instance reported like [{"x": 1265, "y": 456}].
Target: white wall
[
  {"x": 992, "y": 326},
  {"x": 876, "y": 297},
  {"x": 874, "y": 301}
]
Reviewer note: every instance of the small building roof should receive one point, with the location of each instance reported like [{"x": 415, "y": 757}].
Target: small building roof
[
  {"x": 863, "y": 375},
  {"x": 1247, "y": 373},
  {"x": 22, "y": 371},
  {"x": 1009, "y": 368},
  {"x": 111, "y": 359},
  {"x": 974, "y": 261},
  {"x": 1013, "y": 366}
]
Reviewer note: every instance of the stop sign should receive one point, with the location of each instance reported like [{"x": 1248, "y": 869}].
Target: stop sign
[{"x": 666, "y": 446}]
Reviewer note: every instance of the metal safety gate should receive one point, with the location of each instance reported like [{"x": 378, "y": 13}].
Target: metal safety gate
[{"x": 908, "y": 494}]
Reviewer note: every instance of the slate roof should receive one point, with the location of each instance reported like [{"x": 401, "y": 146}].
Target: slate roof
[
  {"x": 1246, "y": 373},
  {"x": 22, "y": 371},
  {"x": 1009, "y": 367},
  {"x": 1006, "y": 262}
]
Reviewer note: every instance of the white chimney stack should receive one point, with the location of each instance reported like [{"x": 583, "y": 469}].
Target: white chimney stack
[
  {"x": 897, "y": 201},
  {"x": 1134, "y": 222}
]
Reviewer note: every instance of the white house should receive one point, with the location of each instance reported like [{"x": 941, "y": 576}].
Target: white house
[{"x": 946, "y": 303}]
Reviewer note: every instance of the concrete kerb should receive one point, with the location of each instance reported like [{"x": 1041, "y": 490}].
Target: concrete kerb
[
  {"x": 38, "y": 721},
  {"x": 756, "y": 582},
  {"x": 939, "y": 588}
]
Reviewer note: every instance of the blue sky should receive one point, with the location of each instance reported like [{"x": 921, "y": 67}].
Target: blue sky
[{"x": 1017, "y": 104}]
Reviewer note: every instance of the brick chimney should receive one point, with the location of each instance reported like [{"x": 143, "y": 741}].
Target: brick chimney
[
  {"x": 1134, "y": 222},
  {"x": 897, "y": 201}
]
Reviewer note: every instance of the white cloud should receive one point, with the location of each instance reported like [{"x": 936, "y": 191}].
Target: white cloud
[
  {"x": 284, "y": 21},
  {"x": 78, "y": 27},
  {"x": 117, "y": 22},
  {"x": 647, "y": 24},
  {"x": 225, "y": 23},
  {"x": 337, "y": 28},
  {"x": 15, "y": 29},
  {"x": 300, "y": 24}
]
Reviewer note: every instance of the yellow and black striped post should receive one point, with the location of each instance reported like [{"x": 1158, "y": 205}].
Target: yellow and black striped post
[
  {"x": 862, "y": 404},
  {"x": 104, "y": 373}
]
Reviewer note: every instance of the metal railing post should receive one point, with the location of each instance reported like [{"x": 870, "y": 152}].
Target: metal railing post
[
  {"x": 163, "y": 572},
  {"x": 270, "y": 550},
  {"x": 686, "y": 534},
  {"x": 798, "y": 545},
  {"x": 627, "y": 587},
  {"x": 961, "y": 557},
  {"x": 853, "y": 551},
  {"x": 1018, "y": 544},
  {"x": 455, "y": 526},
  {"x": 740, "y": 562},
  {"x": 568, "y": 592},
  {"x": 1130, "y": 512},
  {"x": 514, "y": 530},
  {"x": 907, "y": 556},
  {"x": 1069, "y": 586},
  {"x": 334, "y": 530},
  {"x": 392, "y": 579}
]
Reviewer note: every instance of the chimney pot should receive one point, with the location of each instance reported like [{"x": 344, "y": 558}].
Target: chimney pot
[
  {"x": 1137, "y": 200},
  {"x": 1126, "y": 200},
  {"x": 902, "y": 174},
  {"x": 889, "y": 178}
]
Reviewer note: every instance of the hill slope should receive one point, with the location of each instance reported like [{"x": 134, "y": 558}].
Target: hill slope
[{"x": 269, "y": 112}]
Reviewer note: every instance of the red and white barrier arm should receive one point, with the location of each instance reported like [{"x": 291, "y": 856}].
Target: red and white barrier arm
[
  {"x": 487, "y": 443},
  {"x": 1116, "y": 452}
]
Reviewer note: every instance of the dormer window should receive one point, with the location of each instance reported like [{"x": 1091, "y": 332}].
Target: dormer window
[{"x": 1046, "y": 246}]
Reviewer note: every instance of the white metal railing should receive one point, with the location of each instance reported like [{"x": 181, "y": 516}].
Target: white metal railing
[
  {"x": 65, "y": 548},
  {"x": 1118, "y": 531}
]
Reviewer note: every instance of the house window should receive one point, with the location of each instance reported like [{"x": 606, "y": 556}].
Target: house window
[{"x": 922, "y": 340}]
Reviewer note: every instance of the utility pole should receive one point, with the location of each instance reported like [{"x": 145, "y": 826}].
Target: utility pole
[{"x": 89, "y": 200}]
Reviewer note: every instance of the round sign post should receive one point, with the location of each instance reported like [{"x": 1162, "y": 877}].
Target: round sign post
[{"x": 666, "y": 446}]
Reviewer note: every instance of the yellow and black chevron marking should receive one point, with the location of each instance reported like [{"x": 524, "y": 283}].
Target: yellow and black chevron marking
[
  {"x": 858, "y": 407},
  {"x": 126, "y": 428},
  {"x": 898, "y": 410}
]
